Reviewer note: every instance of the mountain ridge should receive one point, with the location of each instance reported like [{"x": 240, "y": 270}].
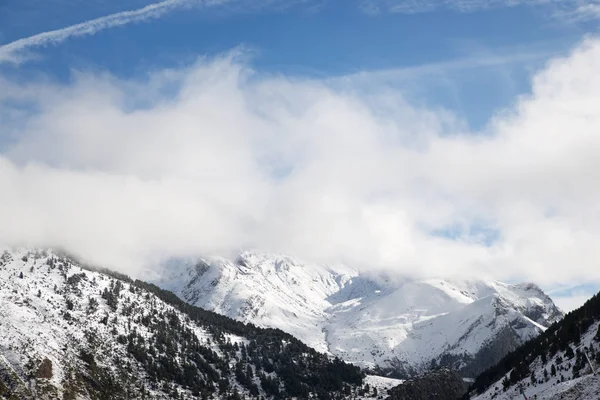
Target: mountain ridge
[
  {"x": 561, "y": 363},
  {"x": 70, "y": 331},
  {"x": 381, "y": 324}
]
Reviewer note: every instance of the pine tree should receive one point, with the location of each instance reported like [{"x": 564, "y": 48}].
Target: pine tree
[
  {"x": 92, "y": 305},
  {"x": 569, "y": 353}
]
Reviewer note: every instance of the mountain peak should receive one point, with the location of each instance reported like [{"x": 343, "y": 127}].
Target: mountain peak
[{"x": 391, "y": 324}]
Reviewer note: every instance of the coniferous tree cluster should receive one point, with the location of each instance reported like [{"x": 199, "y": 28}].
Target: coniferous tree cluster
[
  {"x": 162, "y": 345},
  {"x": 273, "y": 359},
  {"x": 267, "y": 360}
]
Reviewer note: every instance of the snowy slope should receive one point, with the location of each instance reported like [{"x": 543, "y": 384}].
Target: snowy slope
[
  {"x": 564, "y": 384},
  {"x": 561, "y": 363},
  {"x": 381, "y": 384},
  {"x": 371, "y": 322},
  {"x": 279, "y": 292},
  {"x": 70, "y": 332}
]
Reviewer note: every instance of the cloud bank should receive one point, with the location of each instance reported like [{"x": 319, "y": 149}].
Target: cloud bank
[{"x": 217, "y": 157}]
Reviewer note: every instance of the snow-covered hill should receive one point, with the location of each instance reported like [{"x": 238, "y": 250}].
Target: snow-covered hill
[
  {"x": 74, "y": 333},
  {"x": 562, "y": 363},
  {"x": 402, "y": 325}
]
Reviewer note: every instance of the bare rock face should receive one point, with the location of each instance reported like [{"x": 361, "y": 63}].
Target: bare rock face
[{"x": 45, "y": 370}]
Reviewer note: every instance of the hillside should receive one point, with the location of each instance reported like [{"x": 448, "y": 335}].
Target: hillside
[
  {"x": 442, "y": 384},
  {"x": 558, "y": 364},
  {"x": 401, "y": 327},
  {"x": 71, "y": 332}
]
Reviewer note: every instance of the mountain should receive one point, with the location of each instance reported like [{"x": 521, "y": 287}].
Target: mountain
[
  {"x": 401, "y": 327},
  {"x": 70, "y": 331},
  {"x": 561, "y": 363}
]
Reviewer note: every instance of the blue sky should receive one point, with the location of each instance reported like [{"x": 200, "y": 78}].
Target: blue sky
[
  {"x": 317, "y": 38},
  {"x": 435, "y": 69}
]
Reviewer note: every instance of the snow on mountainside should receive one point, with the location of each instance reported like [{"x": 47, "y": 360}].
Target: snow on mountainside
[
  {"x": 75, "y": 333},
  {"x": 404, "y": 326},
  {"x": 562, "y": 363}
]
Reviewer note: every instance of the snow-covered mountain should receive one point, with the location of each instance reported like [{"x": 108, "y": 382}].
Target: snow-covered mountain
[
  {"x": 404, "y": 326},
  {"x": 562, "y": 363},
  {"x": 70, "y": 332}
]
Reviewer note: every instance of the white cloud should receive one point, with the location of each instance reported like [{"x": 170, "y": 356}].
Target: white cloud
[
  {"x": 476, "y": 61},
  {"x": 583, "y": 12},
  {"x": 587, "y": 8},
  {"x": 121, "y": 173},
  {"x": 15, "y": 52},
  {"x": 20, "y": 50}
]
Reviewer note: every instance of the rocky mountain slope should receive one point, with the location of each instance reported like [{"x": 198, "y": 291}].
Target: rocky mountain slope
[
  {"x": 561, "y": 363},
  {"x": 73, "y": 333},
  {"x": 404, "y": 327}
]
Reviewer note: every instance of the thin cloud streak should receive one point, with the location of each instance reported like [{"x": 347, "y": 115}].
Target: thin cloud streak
[
  {"x": 584, "y": 12},
  {"x": 585, "y": 9},
  {"x": 16, "y": 52},
  {"x": 458, "y": 64},
  {"x": 13, "y": 52},
  {"x": 416, "y": 7}
]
